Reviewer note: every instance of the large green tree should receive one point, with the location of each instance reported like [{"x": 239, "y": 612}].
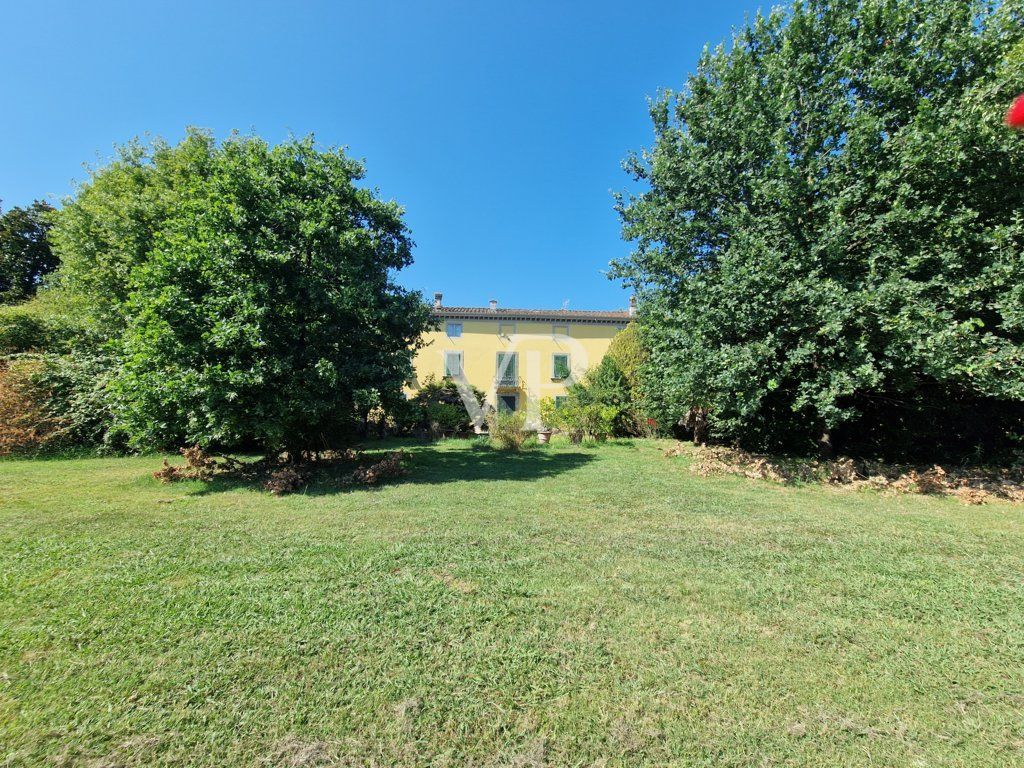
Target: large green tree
[
  {"x": 25, "y": 253},
  {"x": 833, "y": 223},
  {"x": 248, "y": 290}
]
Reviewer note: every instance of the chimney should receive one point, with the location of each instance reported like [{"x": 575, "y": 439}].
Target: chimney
[
  {"x": 437, "y": 300},
  {"x": 494, "y": 305},
  {"x": 632, "y": 306}
]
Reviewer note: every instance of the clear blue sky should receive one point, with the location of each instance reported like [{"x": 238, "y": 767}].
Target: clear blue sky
[{"x": 499, "y": 126}]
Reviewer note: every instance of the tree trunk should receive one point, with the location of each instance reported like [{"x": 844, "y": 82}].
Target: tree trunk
[{"x": 700, "y": 426}]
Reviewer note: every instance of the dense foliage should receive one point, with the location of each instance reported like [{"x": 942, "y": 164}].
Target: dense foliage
[
  {"x": 507, "y": 430},
  {"x": 830, "y": 245},
  {"x": 25, "y": 253},
  {"x": 600, "y": 405},
  {"x": 436, "y": 409},
  {"x": 629, "y": 353},
  {"x": 245, "y": 292}
]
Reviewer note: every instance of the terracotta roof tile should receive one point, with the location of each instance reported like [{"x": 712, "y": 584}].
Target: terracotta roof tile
[{"x": 501, "y": 313}]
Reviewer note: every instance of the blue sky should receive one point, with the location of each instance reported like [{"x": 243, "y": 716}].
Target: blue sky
[{"x": 499, "y": 126}]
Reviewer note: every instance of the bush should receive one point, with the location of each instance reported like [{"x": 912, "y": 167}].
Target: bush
[
  {"x": 52, "y": 321},
  {"x": 599, "y": 407},
  {"x": 592, "y": 420},
  {"x": 445, "y": 418},
  {"x": 77, "y": 393},
  {"x": 507, "y": 430},
  {"x": 22, "y": 331},
  {"x": 51, "y": 402},
  {"x": 25, "y": 424},
  {"x": 579, "y": 418},
  {"x": 437, "y": 408}
]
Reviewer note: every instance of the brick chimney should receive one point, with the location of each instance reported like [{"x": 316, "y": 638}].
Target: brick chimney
[
  {"x": 494, "y": 305},
  {"x": 632, "y": 306},
  {"x": 437, "y": 300}
]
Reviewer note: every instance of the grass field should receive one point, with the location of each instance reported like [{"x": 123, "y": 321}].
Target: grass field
[{"x": 571, "y": 606}]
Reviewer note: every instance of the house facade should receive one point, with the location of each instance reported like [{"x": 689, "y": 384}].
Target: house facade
[{"x": 516, "y": 356}]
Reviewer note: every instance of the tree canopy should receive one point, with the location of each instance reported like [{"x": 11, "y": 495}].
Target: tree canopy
[
  {"x": 248, "y": 290},
  {"x": 833, "y": 224},
  {"x": 25, "y": 253}
]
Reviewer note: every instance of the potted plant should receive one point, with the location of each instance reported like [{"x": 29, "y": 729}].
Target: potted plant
[{"x": 549, "y": 420}]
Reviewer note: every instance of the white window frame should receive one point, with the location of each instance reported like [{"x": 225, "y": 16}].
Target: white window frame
[
  {"x": 448, "y": 353},
  {"x": 568, "y": 366},
  {"x": 449, "y": 327},
  {"x": 514, "y": 395}
]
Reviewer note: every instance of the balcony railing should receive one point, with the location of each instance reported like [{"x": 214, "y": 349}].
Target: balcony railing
[{"x": 508, "y": 382}]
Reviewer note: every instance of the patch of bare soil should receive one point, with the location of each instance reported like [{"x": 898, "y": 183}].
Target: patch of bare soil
[{"x": 969, "y": 484}]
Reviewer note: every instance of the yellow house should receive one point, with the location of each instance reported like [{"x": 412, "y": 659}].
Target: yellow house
[{"x": 516, "y": 356}]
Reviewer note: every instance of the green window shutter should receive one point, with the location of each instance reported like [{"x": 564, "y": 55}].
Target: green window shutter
[
  {"x": 507, "y": 364},
  {"x": 560, "y": 367}
]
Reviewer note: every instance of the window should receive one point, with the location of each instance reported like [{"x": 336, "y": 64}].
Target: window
[
  {"x": 454, "y": 330},
  {"x": 452, "y": 364},
  {"x": 559, "y": 366},
  {"x": 508, "y": 403},
  {"x": 560, "y": 401},
  {"x": 506, "y": 329},
  {"x": 559, "y": 330},
  {"x": 507, "y": 369}
]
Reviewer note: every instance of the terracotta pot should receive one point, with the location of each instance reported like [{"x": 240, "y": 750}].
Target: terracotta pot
[{"x": 543, "y": 436}]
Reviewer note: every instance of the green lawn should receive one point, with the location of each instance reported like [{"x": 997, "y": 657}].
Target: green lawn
[{"x": 571, "y": 606}]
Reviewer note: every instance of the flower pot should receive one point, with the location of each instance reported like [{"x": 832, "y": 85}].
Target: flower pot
[{"x": 543, "y": 436}]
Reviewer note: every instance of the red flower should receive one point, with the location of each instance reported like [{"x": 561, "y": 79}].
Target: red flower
[{"x": 1015, "y": 117}]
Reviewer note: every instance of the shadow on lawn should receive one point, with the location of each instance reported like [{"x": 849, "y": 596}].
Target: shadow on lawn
[
  {"x": 435, "y": 467},
  {"x": 429, "y": 466}
]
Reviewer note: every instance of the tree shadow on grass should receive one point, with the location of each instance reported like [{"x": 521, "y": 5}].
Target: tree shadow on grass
[
  {"x": 429, "y": 465},
  {"x": 436, "y": 467}
]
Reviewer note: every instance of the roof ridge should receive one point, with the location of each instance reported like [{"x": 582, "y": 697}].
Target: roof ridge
[
  {"x": 614, "y": 315},
  {"x": 543, "y": 311}
]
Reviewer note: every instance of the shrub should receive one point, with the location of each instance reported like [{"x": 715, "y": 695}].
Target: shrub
[
  {"x": 39, "y": 325},
  {"x": 50, "y": 402},
  {"x": 578, "y": 418},
  {"x": 507, "y": 430},
  {"x": 25, "y": 424},
  {"x": 437, "y": 407},
  {"x": 22, "y": 331},
  {"x": 77, "y": 393},
  {"x": 444, "y": 417}
]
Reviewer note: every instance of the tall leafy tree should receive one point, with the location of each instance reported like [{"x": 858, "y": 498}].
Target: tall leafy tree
[
  {"x": 25, "y": 253},
  {"x": 249, "y": 291},
  {"x": 833, "y": 225}
]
